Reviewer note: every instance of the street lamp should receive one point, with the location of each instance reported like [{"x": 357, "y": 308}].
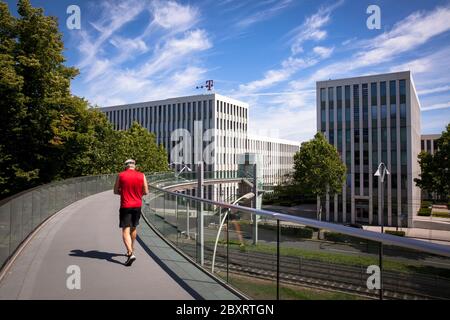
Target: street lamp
[
  {"x": 185, "y": 167},
  {"x": 381, "y": 172}
]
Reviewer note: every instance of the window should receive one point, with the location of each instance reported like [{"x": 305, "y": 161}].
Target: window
[
  {"x": 356, "y": 95},
  {"x": 339, "y": 106},
  {"x": 322, "y": 108},
  {"x": 383, "y": 92},
  {"x": 392, "y": 92},
  {"x": 356, "y": 135},
  {"x": 393, "y": 114},
  {"x": 402, "y": 88},
  {"x": 339, "y": 96},
  {"x": 373, "y": 94},
  {"x": 393, "y": 140},
  {"x": 374, "y": 138},
  {"x": 374, "y": 116}
]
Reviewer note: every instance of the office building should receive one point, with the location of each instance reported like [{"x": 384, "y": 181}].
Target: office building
[
  {"x": 428, "y": 142},
  {"x": 372, "y": 119},
  {"x": 222, "y": 123}
]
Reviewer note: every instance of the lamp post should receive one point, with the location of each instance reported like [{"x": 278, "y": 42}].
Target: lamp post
[
  {"x": 246, "y": 196},
  {"x": 185, "y": 167},
  {"x": 381, "y": 172}
]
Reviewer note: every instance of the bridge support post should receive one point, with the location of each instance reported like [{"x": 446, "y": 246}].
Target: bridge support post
[
  {"x": 200, "y": 219},
  {"x": 255, "y": 204}
]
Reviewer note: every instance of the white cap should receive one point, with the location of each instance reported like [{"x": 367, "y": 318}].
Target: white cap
[{"x": 129, "y": 161}]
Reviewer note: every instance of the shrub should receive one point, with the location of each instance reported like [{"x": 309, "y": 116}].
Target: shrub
[
  {"x": 426, "y": 204},
  {"x": 339, "y": 237},
  {"x": 424, "y": 212},
  {"x": 304, "y": 233},
  {"x": 396, "y": 233}
]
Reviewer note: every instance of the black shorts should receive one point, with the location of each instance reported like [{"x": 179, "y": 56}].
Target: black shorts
[{"x": 129, "y": 217}]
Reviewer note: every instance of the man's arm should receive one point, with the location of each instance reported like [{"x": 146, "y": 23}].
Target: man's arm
[
  {"x": 145, "y": 185},
  {"x": 117, "y": 186}
]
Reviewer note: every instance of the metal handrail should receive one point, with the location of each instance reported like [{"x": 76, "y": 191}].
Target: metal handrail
[{"x": 384, "y": 238}]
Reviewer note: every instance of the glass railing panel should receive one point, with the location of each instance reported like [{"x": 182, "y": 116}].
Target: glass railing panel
[
  {"x": 410, "y": 274},
  {"x": 211, "y": 228},
  {"x": 187, "y": 226},
  {"x": 252, "y": 261},
  {"x": 16, "y": 221},
  {"x": 27, "y": 214},
  {"x": 156, "y": 209},
  {"x": 5, "y": 231},
  {"x": 170, "y": 227},
  {"x": 20, "y": 215},
  {"x": 324, "y": 265}
]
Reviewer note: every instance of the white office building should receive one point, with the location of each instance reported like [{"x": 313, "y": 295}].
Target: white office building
[
  {"x": 373, "y": 119},
  {"x": 428, "y": 142},
  {"x": 222, "y": 123}
]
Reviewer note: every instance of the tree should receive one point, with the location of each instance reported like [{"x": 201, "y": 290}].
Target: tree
[
  {"x": 139, "y": 144},
  {"x": 47, "y": 133},
  {"x": 318, "y": 169},
  {"x": 435, "y": 172}
]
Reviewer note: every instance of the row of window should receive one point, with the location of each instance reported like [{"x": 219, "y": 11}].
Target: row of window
[
  {"x": 171, "y": 113},
  {"x": 356, "y": 102},
  {"x": 231, "y": 109}
]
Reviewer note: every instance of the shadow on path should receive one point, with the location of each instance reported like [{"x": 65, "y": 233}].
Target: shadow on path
[
  {"x": 95, "y": 254},
  {"x": 169, "y": 271}
]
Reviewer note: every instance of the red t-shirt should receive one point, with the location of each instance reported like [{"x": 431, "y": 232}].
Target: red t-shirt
[{"x": 131, "y": 185}]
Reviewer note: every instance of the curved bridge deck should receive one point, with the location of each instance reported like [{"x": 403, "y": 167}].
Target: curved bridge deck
[{"x": 86, "y": 234}]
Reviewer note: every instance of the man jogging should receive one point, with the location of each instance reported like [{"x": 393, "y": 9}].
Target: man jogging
[{"x": 131, "y": 185}]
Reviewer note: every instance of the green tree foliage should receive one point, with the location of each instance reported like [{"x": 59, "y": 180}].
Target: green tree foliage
[
  {"x": 435, "y": 172},
  {"x": 318, "y": 167},
  {"x": 47, "y": 133}
]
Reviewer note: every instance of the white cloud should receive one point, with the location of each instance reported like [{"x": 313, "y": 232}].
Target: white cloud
[
  {"x": 434, "y": 90},
  {"x": 312, "y": 28},
  {"x": 323, "y": 52},
  {"x": 263, "y": 14},
  {"x": 309, "y": 30},
  {"x": 170, "y": 66},
  {"x": 437, "y": 106},
  {"x": 171, "y": 15},
  {"x": 175, "y": 50},
  {"x": 406, "y": 35}
]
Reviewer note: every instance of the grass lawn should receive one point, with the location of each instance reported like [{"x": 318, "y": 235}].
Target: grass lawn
[
  {"x": 344, "y": 259},
  {"x": 440, "y": 214},
  {"x": 265, "y": 289}
]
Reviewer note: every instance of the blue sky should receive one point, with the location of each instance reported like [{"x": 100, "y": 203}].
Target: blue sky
[{"x": 267, "y": 53}]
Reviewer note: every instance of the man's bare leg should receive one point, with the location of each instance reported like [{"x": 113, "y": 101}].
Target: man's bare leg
[
  {"x": 126, "y": 236},
  {"x": 133, "y": 232},
  {"x": 238, "y": 231}
]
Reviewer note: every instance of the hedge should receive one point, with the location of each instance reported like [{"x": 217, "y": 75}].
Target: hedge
[
  {"x": 425, "y": 212},
  {"x": 426, "y": 204},
  {"x": 305, "y": 233},
  {"x": 396, "y": 233},
  {"x": 441, "y": 214},
  {"x": 340, "y": 237}
]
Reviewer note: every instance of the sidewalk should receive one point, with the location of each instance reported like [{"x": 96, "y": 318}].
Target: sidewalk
[{"x": 436, "y": 236}]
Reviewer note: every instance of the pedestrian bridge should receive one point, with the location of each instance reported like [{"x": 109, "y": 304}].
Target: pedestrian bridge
[{"x": 62, "y": 241}]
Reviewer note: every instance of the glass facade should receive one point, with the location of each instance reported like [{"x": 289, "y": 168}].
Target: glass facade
[{"x": 379, "y": 113}]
